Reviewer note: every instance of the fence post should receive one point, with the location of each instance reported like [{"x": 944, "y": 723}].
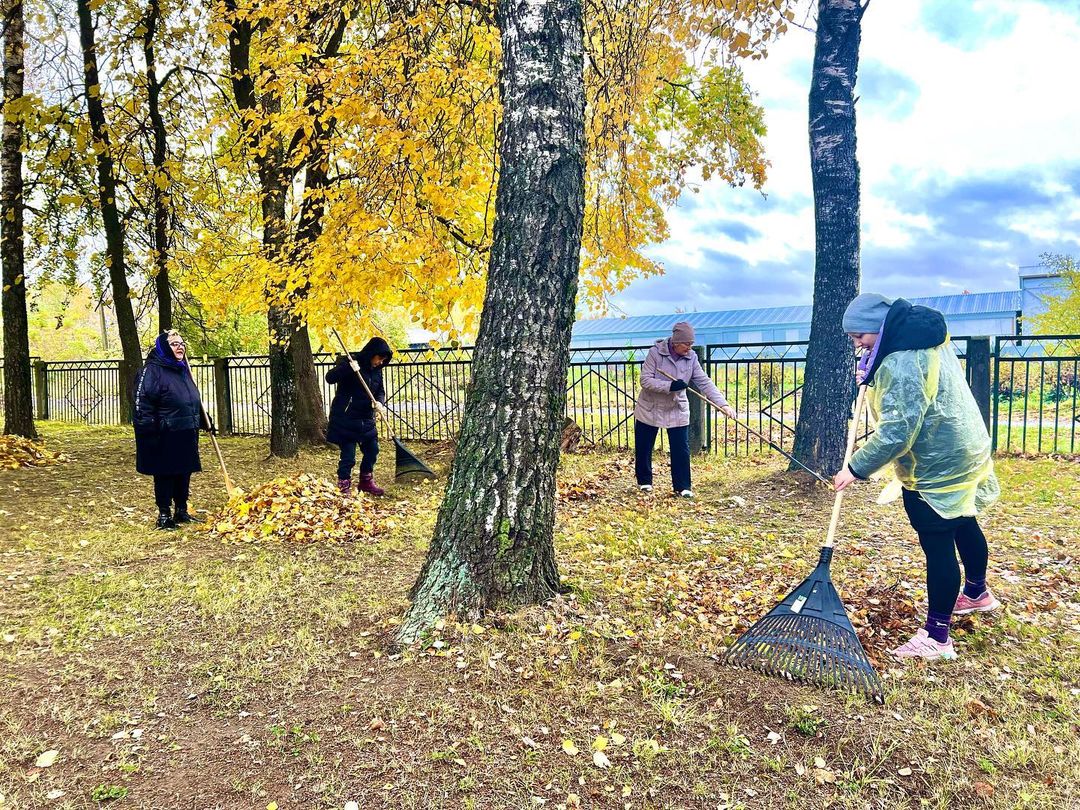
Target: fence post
[
  {"x": 978, "y": 374},
  {"x": 126, "y": 373},
  {"x": 223, "y": 394},
  {"x": 697, "y": 414},
  {"x": 41, "y": 381}
]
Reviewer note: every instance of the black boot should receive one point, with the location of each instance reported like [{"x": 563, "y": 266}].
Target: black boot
[
  {"x": 165, "y": 521},
  {"x": 182, "y": 516}
]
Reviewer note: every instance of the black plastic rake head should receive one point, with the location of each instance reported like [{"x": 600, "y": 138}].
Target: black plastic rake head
[
  {"x": 808, "y": 637},
  {"x": 405, "y": 463}
]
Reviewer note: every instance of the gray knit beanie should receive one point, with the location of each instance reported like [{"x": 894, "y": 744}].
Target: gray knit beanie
[
  {"x": 866, "y": 314},
  {"x": 682, "y": 332}
]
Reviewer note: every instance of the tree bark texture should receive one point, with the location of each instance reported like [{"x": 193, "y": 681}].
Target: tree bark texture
[
  {"x": 493, "y": 541},
  {"x": 311, "y": 421},
  {"x": 18, "y": 390},
  {"x": 827, "y": 393},
  {"x": 269, "y": 154},
  {"x": 160, "y": 196},
  {"x": 110, "y": 212}
]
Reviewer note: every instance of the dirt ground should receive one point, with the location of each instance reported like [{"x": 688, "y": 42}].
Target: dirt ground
[{"x": 176, "y": 670}]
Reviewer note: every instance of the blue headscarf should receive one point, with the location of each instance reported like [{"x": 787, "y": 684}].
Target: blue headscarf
[{"x": 165, "y": 354}]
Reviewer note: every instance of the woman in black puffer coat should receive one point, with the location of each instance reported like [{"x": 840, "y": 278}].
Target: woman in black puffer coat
[
  {"x": 352, "y": 413},
  {"x": 168, "y": 416}
]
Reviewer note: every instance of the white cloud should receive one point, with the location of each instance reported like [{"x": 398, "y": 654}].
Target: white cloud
[{"x": 982, "y": 108}]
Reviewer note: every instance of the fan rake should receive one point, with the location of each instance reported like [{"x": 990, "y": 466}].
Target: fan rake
[{"x": 808, "y": 637}]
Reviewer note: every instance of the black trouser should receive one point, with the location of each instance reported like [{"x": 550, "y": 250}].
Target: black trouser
[
  {"x": 645, "y": 440},
  {"x": 370, "y": 451},
  {"x": 940, "y": 539},
  {"x": 172, "y": 488}
]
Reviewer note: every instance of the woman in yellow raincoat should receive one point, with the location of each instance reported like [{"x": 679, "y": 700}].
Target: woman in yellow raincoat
[{"x": 930, "y": 429}]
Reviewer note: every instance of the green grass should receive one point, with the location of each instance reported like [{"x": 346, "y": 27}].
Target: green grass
[{"x": 179, "y": 671}]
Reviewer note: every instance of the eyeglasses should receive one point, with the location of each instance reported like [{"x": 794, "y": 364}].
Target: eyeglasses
[{"x": 175, "y": 343}]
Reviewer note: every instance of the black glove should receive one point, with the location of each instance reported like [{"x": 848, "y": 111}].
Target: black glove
[
  {"x": 209, "y": 426},
  {"x": 678, "y": 385}
]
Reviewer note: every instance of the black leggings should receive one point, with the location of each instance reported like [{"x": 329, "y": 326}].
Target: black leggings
[
  {"x": 941, "y": 538},
  {"x": 170, "y": 488}
]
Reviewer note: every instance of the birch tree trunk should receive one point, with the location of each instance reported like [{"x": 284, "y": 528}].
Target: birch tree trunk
[
  {"x": 18, "y": 393},
  {"x": 827, "y": 394},
  {"x": 493, "y": 541},
  {"x": 111, "y": 220}
]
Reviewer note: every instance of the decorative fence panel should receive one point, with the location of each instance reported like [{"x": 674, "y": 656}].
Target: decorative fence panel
[
  {"x": 1036, "y": 387},
  {"x": 1028, "y": 388}
]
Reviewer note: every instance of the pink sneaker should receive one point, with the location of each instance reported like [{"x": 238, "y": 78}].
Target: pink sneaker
[
  {"x": 921, "y": 645},
  {"x": 984, "y": 604}
]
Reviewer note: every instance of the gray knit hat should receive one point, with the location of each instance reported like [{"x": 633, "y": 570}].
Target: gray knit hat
[
  {"x": 682, "y": 332},
  {"x": 866, "y": 314}
]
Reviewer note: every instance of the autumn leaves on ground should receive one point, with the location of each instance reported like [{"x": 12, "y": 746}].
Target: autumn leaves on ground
[{"x": 234, "y": 666}]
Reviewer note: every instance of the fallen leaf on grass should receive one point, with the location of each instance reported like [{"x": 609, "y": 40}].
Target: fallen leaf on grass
[
  {"x": 904, "y": 771},
  {"x": 774, "y": 738},
  {"x": 46, "y": 759},
  {"x": 54, "y": 794},
  {"x": 568, "y": 747},
  {"x": 819, "y": 762},
  {"x": 600, "y": 759},
  {"x": 376, "y": 724},
  {"x": 984, "y": 790},
  {"x": 823, "y": 776},
  {"x": 977, "y": 708}
]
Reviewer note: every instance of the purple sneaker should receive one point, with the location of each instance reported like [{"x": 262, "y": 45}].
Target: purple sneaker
[
  {"x": 922, "y": 646},
  {"x": 984, "y": 604}
]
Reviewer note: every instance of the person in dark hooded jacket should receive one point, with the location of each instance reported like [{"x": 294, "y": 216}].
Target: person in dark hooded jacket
[
  {"x": 352, "y": 413},
  {"x": 930, "y": 429},
  {"x": 167, "y": 417}
]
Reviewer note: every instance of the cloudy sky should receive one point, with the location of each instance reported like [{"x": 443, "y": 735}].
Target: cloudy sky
[{"x": 969, "y": 148}]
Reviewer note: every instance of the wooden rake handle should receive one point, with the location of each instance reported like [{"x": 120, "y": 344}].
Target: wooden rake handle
[
  {"x": 834, "y": 521},
  {"x": 230, "y": 487}
]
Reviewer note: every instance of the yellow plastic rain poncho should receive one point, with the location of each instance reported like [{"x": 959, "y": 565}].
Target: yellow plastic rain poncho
[{"x": 930, "y": 428}]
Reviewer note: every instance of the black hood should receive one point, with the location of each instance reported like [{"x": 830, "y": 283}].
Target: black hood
[
  {"x": 376, "y": 347},
  {"x": 907, "y": 327}
]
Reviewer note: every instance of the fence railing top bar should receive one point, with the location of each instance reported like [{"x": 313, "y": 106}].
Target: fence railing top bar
[
  {"x": 757, "y": 344},
  {"x": 1024, "y": 338}
]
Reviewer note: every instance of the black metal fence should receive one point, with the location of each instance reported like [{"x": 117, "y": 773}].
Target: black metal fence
[{"x": 1028, "y": 387}]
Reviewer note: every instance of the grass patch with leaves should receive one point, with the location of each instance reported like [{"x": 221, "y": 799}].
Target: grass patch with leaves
[{"x": 175, "y": 669}]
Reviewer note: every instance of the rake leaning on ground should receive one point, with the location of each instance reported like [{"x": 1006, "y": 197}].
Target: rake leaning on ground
[
  {"x": 230, "y": 488},
  {"x": 808, "y": 637},
  {"x": 405, "y": 462}
]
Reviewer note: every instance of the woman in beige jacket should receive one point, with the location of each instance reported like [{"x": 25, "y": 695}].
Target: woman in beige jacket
[{"x": 663, "y": 404}]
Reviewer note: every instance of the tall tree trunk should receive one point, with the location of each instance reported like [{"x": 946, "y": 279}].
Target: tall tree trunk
[
  {"x": 310, "y": 414},
  {"x": 18, "y": 393},
  {"x": 110, "y": 213},
  {"x": 826, "y": 405},
  {"x": 268, "y": 153},
  {"x": 493, "y": 541},
  {"x": 160, "y": 196},
  {"x": 284, "y": 436}
]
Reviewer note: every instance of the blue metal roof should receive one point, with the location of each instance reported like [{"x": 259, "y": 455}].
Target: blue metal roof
[{"x": 990, "y": 303}]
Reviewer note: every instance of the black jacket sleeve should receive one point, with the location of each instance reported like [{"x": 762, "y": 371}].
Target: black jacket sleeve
[{"x": 339, "y": 372}]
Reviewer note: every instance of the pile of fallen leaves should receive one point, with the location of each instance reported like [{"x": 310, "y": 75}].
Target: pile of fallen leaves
[
  {"x": 304, "y": 509},
  {"x": 15, "y": 452}
]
